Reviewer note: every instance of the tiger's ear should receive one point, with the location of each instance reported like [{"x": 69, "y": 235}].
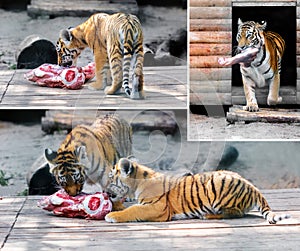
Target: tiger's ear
[
  {"x": 240, "y": 22},
  {"x": 82, "y": 155},
  {"x": 66, "y": 35},
  {"x": 126, "y": 167},
  {"x": 50, "y": 155},
  {"x": 261, "y": 26}
]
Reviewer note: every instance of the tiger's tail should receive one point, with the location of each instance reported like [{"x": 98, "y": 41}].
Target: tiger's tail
[
  {"x": 127, "y": 55},
  {"x": 267, "y": 213}
]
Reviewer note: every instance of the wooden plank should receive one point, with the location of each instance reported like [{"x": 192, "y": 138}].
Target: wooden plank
[
  {"x": 284, "y": 90},
  {"x": 288, "y": 94},
  {"x": 210, "y": 98},
  {"x": 164, "y": 86},
  {"x": 221, "y": 37},
  {"x": 210, "y": 24},
  {"x": 210, "y": 74},
  {"x": 258, "y": 3},
  {"x": 210, "y": 3},
  {"x": 210, "y": 12},
  {"x": 222, "y": 86},
  {"x": 262, "y": 100},
  {"x": 209, "y": 49},
  {"x": 237, "y": 114}
]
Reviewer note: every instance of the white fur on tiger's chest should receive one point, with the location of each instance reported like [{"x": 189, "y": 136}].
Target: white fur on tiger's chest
[{"x": 257, "y": 72}]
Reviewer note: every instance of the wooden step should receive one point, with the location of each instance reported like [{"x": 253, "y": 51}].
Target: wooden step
[{"x": 237, "y": 114}]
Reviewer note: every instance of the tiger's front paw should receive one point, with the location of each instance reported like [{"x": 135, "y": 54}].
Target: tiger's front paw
[
  {"x": 111, "y": 90},
  {"x": 251, "y": 107},
  {"x": 137, "y": 95},
  {"x": 272, "y": 101},
  {"x": 95, "y": 86},
  {"x": 112, "y": 217}
]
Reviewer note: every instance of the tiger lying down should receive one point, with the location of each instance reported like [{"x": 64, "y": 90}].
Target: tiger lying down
[{"x": 212, "y": 195}]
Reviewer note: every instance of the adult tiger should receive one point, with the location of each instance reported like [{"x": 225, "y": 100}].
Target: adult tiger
[
  {"x": 212, "y": 195},
  {"x": 116, "y": 40},
  {"x": 89, "y": 152},
  {"x": 265, "y": 68}
]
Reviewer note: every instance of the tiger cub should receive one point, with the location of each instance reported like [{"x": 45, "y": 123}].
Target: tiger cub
[
  {"x": 266, "y": 67},
  {"x": 89, "y": 152},
  {"x": 211, "y": 195},
  {"x": 116, "y": 40}
]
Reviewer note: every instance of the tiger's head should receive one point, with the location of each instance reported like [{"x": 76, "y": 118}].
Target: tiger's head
[
  {"x": 128, "y": 179},
  {"x": 68, "y": 167},
  {"x": 250, "y": 35},
  {"x": 69, "y": 47}
]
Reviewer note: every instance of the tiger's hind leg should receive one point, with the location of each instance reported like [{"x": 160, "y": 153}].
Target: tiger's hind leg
[
  {"x": 138, "y": 78},
  {"x": 273, "y": 96}
]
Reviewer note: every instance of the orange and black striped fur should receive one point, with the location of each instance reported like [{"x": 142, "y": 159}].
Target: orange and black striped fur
[
  {"x": 266, "y": 67},
  {"x": 116, "y": 41},
  {"x": 211, "y": 195},
  {"x": 89, "y": 152}
]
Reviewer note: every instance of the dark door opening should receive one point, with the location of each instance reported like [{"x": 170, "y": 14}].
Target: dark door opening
[{"x": 279, "y": 19}]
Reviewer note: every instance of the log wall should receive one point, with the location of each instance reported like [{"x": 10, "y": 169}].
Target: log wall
[{"x": 210, "y": 38}]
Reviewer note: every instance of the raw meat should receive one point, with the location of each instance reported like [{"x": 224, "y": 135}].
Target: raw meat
[
  {"x": 89, "y": 206},
  {"x": 52, "y": 75},
  {"x": 246, "y": 57}
]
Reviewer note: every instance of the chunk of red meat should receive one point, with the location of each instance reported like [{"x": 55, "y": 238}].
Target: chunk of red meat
[
  {"x": 89, "y": 206},
  {"x": 245, "y": 57},
  {"x": 52, "y": 75}
]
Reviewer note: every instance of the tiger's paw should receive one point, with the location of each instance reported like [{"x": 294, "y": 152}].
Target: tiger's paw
[
  {"x": 112, "y": 217},
  {"x": 251, "y": 107},
  {"x": 137, "y": 95},
  {"x": 272, "y": 101},
  {"x": 95, "y": 86},
  {"x": 109, "y": 90}
]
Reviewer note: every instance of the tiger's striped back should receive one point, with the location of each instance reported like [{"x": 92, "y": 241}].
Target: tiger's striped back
[
  {"x": 212, "y": 195},
  {"x": 89, "y": 152}
]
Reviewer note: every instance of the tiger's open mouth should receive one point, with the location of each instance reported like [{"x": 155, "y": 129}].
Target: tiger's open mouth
[{"x": 67, "y": 64}]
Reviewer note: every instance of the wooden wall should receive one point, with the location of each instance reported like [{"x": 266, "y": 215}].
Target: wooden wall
[{"x": 210, "y": 38}]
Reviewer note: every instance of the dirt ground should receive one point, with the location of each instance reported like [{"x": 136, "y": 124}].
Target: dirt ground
[{"x": 217, "y": 128}]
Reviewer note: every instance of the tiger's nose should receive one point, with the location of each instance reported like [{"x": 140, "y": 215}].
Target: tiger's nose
[{"x": 72, "y": 190}]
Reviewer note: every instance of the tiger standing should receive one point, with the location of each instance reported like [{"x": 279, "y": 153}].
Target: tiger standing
[
  {"x": 211, "y": 195},
  {"x": 266, "y": 67},
  {"x": 88, "y": 153},
  {"x": 116, "y": 41}
]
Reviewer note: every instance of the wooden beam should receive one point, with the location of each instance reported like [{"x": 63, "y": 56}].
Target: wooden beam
[{"x": 237, "y": 114}]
